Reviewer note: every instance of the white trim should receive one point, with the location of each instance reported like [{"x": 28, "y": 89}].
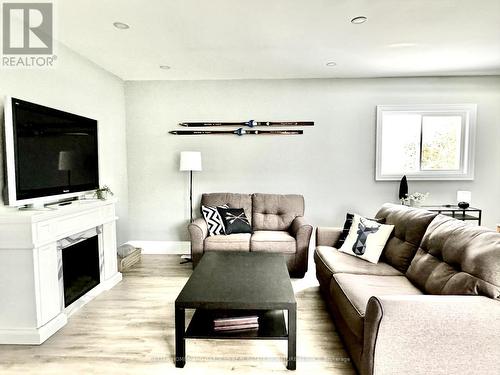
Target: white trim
[
  {"x": 33, "y": 336},
  {"x": 467, "y": 111},
  {"x": 162, "y": 247}
]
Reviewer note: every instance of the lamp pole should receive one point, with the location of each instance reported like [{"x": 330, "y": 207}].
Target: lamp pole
[
  {"x": 190, "y": 259},
  {"x": 190, "y": 161},
  {"x": 191, "y": 196}
]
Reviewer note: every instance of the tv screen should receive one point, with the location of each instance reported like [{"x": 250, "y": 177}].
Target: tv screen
[{"x": 55, "y": 152}]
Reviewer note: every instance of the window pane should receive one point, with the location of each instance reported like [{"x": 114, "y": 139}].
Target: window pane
[
  {"x": 400, "y": 143},
  {"x": 441, "y": 141}
]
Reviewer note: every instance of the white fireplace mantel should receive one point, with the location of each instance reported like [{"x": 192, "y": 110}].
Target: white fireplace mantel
[{"x": 31, "y": 303}]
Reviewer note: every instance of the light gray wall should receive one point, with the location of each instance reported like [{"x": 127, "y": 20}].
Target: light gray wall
[
  {"x": 79, "y": 86},
  {"x": 332, "y": 165}
]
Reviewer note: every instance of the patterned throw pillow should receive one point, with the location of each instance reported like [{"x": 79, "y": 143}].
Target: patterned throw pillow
[
  {"x": 235, "y": 220},
  {"x": 366, "y": 239},
  {"x": 214, "y": 221},
  {"x": 347, "y": 226}
]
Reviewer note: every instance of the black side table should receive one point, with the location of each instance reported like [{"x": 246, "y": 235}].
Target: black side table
[{"x": 465, "y": 214}]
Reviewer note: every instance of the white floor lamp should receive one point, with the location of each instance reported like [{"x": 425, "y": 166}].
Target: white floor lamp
[{"x": 190, "y": 161}]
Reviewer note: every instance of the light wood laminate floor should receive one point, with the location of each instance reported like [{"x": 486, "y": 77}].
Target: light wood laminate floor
[{"x": 130, "y": 330}]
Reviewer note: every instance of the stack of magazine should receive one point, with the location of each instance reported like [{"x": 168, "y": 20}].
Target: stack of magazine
[{"x": 236, "y": 323}]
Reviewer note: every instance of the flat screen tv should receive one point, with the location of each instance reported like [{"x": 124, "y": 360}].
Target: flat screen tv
[{"x": 48, "y": 154}]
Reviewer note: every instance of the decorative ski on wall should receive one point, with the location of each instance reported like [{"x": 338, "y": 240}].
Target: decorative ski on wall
[
  {"x": 250, "y": 123},
  {"x": 239, "y": 131}
]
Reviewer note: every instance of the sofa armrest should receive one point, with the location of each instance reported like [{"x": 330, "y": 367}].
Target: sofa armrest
[
  {"x": 327, "y": 236},
  {"x": 198, "y": 231},
  {"x": 299, "y": 224},
  {"x": 302, "y": 232},
  {"x": 431, "y": 334}
]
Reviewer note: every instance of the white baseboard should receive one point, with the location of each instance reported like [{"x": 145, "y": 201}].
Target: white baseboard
[{"x": 163, "y": 247}]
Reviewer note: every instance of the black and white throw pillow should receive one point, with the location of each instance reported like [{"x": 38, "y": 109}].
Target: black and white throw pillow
[
  {"x": 347, "y": 225},
  {"x": 234, "y": 220},
  {"x": 345, "y": 231},
  {"x": 366, "y": 239},
  {"x": 214, "y": 221}
]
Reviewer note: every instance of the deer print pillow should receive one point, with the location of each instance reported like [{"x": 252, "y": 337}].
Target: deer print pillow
[{"x": 366, "y": 239}]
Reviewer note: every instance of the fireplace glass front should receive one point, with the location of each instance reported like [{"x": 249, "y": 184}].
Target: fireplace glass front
[{"x": 80, "y": 263}]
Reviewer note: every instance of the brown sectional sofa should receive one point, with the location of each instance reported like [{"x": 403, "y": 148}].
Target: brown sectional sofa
[
  {"x": 430, "y": 306},
  {"x": 277, "y": 221}
]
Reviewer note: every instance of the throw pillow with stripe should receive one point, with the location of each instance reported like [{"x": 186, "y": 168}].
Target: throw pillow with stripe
[{"x": 213, "y": 219}]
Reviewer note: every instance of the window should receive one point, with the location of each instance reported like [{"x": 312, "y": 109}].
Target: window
[{"x": 425, "y": 142}]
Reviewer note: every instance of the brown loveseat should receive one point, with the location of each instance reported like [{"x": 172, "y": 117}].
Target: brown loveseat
[
  {"x": 278, "y": 226},
  {"x": 430, "y": 306}
]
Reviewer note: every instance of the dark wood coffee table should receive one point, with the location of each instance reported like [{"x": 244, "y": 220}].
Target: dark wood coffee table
[{"x": 238, "y": 281}]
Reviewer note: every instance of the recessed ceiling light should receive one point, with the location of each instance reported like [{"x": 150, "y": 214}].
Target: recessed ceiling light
[
  {"x": 331, "y": 63},
  {"x": 359, "y": 19},
  {"x": 164, "y": 67},
  {"x": 121, "y": 25}
]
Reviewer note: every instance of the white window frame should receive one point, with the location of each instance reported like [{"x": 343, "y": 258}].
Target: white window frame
[{"x": 467, "y": 111}]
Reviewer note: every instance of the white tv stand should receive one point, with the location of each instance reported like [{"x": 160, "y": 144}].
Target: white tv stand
[{"x": 31, "y": 299}]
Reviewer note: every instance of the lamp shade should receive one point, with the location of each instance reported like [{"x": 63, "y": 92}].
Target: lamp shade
[
  {"x": 190, "y": 161},
  {"x": 464, "y": 196},
  {"x": 66, "y": 160}
]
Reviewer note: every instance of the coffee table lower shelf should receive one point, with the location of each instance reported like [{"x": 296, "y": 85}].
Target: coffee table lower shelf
[{"x": 271, "y": 327}]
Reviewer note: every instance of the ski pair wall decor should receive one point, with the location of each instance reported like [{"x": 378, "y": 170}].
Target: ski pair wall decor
[
  {"x": 250, "y": 123},
  {"x": 239, "y": 131},
  {"x": 210, "y": 128}
]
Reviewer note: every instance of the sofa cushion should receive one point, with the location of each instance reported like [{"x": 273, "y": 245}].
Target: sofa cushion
[
  {"x": 232, "y": 200},
  {"x": 351, "y": 293},
  {"x": 457, "y": 258},
  {"x": 276, "y": 212},
  {"x": 338, "y": 262},
  {"x": 410, "y": 225},
  {"x": 231, "y": 242},
  {"x": 273, "y": 242}
]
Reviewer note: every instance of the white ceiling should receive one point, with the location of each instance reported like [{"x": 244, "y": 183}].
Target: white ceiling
[{"x": 243, "y": 39}]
